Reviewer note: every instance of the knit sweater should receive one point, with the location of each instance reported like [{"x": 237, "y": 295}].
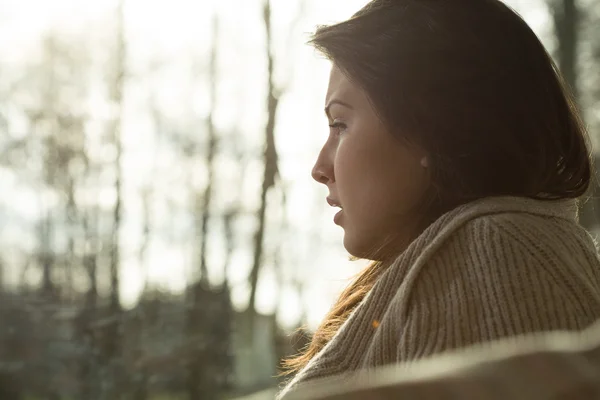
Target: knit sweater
[
  {"x": 494, "y": 268},
  {"x": 539, "y": 366}
]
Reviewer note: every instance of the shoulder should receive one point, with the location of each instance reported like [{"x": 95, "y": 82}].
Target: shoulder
[
  {"x": 518, "y": 250},
  {"x": 514, "y": 238},
  {"x": 501, "y": 275},
  {"x": 494, "y": 229}
]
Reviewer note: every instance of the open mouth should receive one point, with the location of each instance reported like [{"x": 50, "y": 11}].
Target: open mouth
[{"x": 338, "y": 215}]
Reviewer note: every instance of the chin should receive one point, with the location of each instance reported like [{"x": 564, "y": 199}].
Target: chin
[
  {"x": 366, "y": 249},
  {"x": 357, "y": 248},
  {"x": 349, "y": 245}
]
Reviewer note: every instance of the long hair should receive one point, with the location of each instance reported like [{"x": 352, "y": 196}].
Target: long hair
[{"x": 469, "y": 82}]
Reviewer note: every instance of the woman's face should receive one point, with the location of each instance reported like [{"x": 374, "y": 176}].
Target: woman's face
[{"x": 378, "y": 181}]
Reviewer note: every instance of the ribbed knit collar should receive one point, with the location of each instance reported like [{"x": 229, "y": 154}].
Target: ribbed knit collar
[{"x": 566, "y": 208}]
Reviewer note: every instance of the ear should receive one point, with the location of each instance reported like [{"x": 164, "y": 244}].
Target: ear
[{"x": 425, "y": 162}]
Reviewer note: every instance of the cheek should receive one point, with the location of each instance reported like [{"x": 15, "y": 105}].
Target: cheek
[
  {"x": 396, "y": 193},
  {"x": 407, "y": 188},
  {"x": 352, "y": 171},
  {"x": 378, "y": 184}
]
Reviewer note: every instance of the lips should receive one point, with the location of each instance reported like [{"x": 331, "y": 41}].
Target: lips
[
  {"x": 337, "y": 217},
  {"x": 333, "y": 202}
]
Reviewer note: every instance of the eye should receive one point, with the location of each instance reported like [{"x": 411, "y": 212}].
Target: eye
[{"x": 338, "y": 126}]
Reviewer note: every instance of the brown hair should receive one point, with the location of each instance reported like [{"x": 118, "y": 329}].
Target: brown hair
[{"x": 469, "y": 82}]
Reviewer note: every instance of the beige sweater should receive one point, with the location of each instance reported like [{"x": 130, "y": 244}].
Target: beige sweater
[
  {"x": 494, "y": 268},
  {"x": 539, "y": 366}
]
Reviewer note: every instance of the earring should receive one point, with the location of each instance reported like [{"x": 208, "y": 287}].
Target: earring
[{"x": 424, "y": 162}]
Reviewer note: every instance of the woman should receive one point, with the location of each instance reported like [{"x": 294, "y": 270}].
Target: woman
[{"x": 457, "y": 157}]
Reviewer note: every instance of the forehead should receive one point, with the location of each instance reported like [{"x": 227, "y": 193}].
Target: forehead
[{"x": 340, "y": 87}]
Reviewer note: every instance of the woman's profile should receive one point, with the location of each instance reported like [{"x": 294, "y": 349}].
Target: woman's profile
[{"x": 458, "y": 158}]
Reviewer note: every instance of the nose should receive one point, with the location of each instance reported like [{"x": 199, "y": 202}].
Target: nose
[{"x": 322, "y": 171}]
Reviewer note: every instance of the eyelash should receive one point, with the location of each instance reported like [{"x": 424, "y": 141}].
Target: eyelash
[{"x": 338, "y": 125}]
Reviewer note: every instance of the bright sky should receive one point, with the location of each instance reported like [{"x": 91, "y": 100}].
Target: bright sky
[{"x": 175, "y": 34}]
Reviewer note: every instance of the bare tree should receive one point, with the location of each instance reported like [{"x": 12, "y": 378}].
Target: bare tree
[
  {"x": 111, "y": 351},
  {"x": 566, "y": 17},
  {"x": 45, "y": 254},
  {"x": 84, "y": 332},
  {"x": 204, "y": 204},
  {"x": 116, "y": 96},
  {"x": 208, "y": 359},
  {"x": 567, "y": 26},
  {"x": 55, "y": 137},
  {"x": 270, "y": 156}
]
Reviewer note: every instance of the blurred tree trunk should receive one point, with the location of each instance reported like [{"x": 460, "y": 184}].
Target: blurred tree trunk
[
  {"x": 47, "y": 115},
  {"x": 147, "y": 199},
  {"x": 141, "y": 376},
  {"x": 59, "y": 136},
  {"x": 203, "y": 204},
  {"x": 46, "y": 255},
  {"x": 566, "y": 16},
  {"x": 116, "y": 97},
  {"x": 239, "y": 153},
  {"x": 73, "y": 221},
  {"x": 229, "y": 242},
  {"x": 2, "y": 275},
  {"x": 111, "y": 346},
  {"x": 90, "y": 257},
  {"x": 84, "y": 333},
  {"x": 566, "y": 19},
  {"x": 200, "y": 380},
  {"x": 269, "y": 157}
]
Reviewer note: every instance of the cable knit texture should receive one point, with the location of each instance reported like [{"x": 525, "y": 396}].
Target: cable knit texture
[{"x": 490, "y": 269}]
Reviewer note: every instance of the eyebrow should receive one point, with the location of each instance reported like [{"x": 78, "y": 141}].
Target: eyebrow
[{"x": 335, "y": 101}]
